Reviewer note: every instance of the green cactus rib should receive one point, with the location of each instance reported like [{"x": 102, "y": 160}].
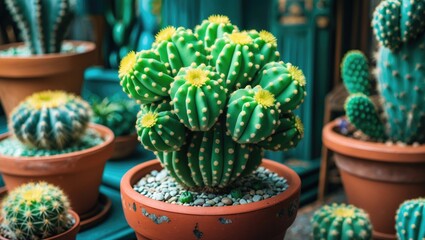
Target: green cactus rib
[
  {"x": 265, "y": 45},
  {"x": 198, "y": 97},
  {"x": 144, "y": 77},
  {"x": 214, "y": 28},
  {"x": 355, "y": 73},
  {"x": 401, "y": 84},
  {"x": 50, "y": 119},
  {"x": 362, "y": 113},
  {"x": 340, "y": 221},
  {"x": 233, "y": 57},
  {"x": 35, "y": 211},
  {"x": 159, "y": 129},
  {"x": 179, "y": 48},
  {"x": 285, "y": 81},
  {"x": 252, "y": 115},
  {"x": 42, "y": 23},
  {"x": 410, "y": 219},
  {"x": 412, "y": 20},
  {"x": 288, "y": 134},
  {"x": 386, "y": 23}
]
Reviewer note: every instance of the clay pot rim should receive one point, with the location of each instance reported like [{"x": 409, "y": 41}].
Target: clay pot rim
[
  {"x": 294, "y": 182},
  {"x": 89, "y": 47},
  {"x": 370, "y": 150},
  {"x": 105, "y": 132}
]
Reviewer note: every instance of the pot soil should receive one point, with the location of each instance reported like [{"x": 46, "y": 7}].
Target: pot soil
[
  {"x": 22, "y": 76},
  {"x": 124, "y": 146},
  {"x": 266, "y": 219},
  {"x": 79, "y": 173},
  {"x": 377, "y": 177}
]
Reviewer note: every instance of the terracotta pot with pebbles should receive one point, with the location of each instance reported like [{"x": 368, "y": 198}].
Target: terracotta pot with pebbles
[
  {"x": 381, "y": 173},
  {"x": 212, "y": 100}
]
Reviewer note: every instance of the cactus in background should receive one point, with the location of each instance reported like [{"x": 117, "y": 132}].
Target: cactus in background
[
  {"x": 35, "y": 211},
  {"x": 399, "y": 27},
  {"x": 213, "y": 28},
  {"x": 340, "y": 221},
  {"x": 265, "y": 45},
  {"x": 42, "y": 23},
  {"x": 410, "y": 220},
  {"x": 50, "y": 119},
  {"x": 118, "y": 115},
  {"x": 355, "y": 73}
]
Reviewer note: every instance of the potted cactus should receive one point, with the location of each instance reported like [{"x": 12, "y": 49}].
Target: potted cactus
[
  {"x": 390, "y": 163},
  {"x": 211, "y": 101},
  {"x": 119, "y": 115},
  {"x": 45, "y": 61},
  {"x": 51, "y": 140},
  {"x": 38, "y": 211}
]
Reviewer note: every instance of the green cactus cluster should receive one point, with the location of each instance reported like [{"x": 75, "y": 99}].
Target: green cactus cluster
[
  {"x": 410, "y": 220},
  {"x": 399, "y": 26},
  {"x": 42, "y": 23},
  {"x": 50, "y": 119},
  {"x": 35, "y": 211},
  {"x": 212, "y": 100},
  {"x": 341, "y": 222}
]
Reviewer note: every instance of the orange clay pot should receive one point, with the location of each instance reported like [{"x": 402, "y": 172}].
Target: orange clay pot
[
  {"x": 22, "y": 76},
  {"x": 377, "y": 177},
  {"x": 79, "y": 174},
  {"x": 157, "y": 220},
  {"x": 124, "y": 146}
]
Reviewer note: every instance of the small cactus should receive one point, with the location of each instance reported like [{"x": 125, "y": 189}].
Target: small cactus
[
  {"x": 341, "y": 222},
  {"x": 355, "y": 73},
  {"x": 265, "y": 45},
  {"x": 410, "y": 220},
  {"x": 214, "y": 28},
  {"x": 35, "y": 211},
  {"x": 50, "y": 119}
]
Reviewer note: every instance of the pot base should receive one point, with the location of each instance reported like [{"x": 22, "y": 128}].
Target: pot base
[{"x": 98, "y": 214}]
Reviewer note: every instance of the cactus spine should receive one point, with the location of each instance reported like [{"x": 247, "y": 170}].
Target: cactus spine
[
  {"x": 42, "y": 23},
  {"x": 340, "y": 221},
  {"x": 410, "y": 220},
  {"x": 35, "y": 211}
]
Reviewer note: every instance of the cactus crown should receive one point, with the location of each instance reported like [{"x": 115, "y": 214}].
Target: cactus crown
[
  {"x": 212, "y": 99},
  {"x": 127, "y": 64}
]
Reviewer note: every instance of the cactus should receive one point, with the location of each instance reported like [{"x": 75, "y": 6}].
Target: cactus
[
  {"x": 265, "y": 45},
  {"x": 118, "y": 115},
  {"x": 35, "y": 211},
  {"x": 410, "y": 220},
  {"x": 214, "y": 28},
  {"x": 399, "y": 26},
  {"x": 355, "y": 73},
  {"x": 50, "y": 119},
  {"x": 340, "y": 221},
  {"x": 42, "y": 24}
]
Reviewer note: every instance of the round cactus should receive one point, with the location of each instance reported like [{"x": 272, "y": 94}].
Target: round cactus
[
  {"x": 412, "y": 19},
  {"x": 410, "y": 220},
  {"x": 340, "y": 221},
  {"x": 386, "y": 23},
  {"x": 285, "y": 81},
  {"x": 50, "y": 119},
  {"x": 144, "y": 77},
  {"x": 35, "y": 211},
  {"x": 288, "y": 134},
  {"x": 198, "y": 97},
  {"x": 179, "y": 48},
  {"x": 214, "y": 28},
  {"x": 355, "y": 72},
  {"x": 265, "y": 45}
]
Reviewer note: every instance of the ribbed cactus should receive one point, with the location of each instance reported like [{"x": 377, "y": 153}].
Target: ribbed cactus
[
  {"x": 410, "y": 220},
  {"x": 399, "y": 26},
  {"x": 42, "y": 23},
  {"x": 118, "y": 115},
  {"x": 341, "y": 222},
  {"x": 50, "y": 119},
  {"x": 210, "y": 126},
  {"x": 35, "y": 211}
]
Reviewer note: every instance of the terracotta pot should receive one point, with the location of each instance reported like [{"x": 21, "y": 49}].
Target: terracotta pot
[
  {"x": 266, "y": 219},
  {"x": 377, "y": 177},
  {"x": 70, "y": 234},
  {"x": 22, "y": 76},
  {"x": 124, "y": 146},
  {"x": 79, "y": 174}
]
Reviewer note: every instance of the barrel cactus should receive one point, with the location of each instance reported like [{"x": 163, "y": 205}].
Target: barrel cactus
[
  {"x": 50, "y": 119},
  {"x": 399, "y": 27},
  {"x": 35, "y": 211},
  {"x": 42, "y": 24},
  {"x": 229, "y": 98},
  {"x": 410, "y": 220},
  {"x": 341, "y": 222}
]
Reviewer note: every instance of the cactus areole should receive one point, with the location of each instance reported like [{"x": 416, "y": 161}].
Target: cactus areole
[{"x": 212, "y": 99}]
